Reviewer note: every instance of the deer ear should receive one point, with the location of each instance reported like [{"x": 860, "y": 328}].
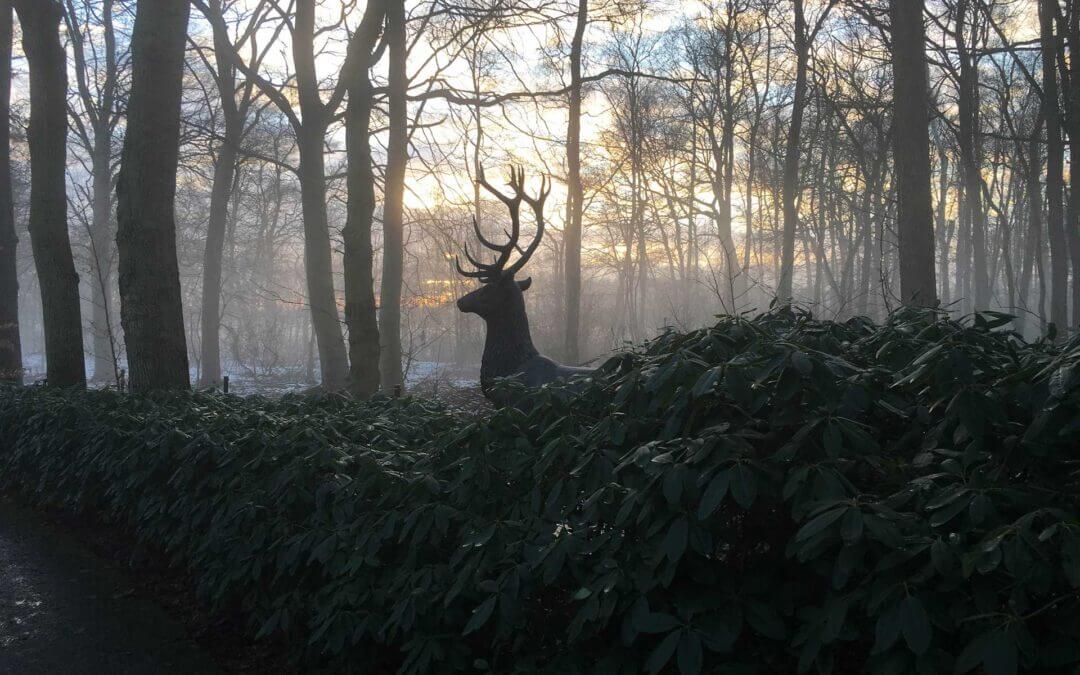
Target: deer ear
[{"x": 525, "y": 283}]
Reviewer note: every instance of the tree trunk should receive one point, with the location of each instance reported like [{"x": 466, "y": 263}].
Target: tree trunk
[
  {"x": 1072, "y": 121},
  {"x": 224, "y": 176},
  {"x": 866, "y": 225},
  {"x": 977, "y": 294},
  {"x": 397, "y": 152},
  {"x": 47, "y": 137},
  {"x": 225, "y": 168},
  {"x": 748, "y": 198},
  {"x": 360, "y": 311},
  {"x": 151, "y": 311},
  {"x": 911, "y": 155},
  {"x": 1034, "y": 232},
  {"x": 318, "y": 262},
  {"x": 104, "y": 343},
  {"x": 944, "y": 225},
  {"x": 100, "y": 118},
  {"x": 575, "y": 195},
  {"x": 10, "y": 345},
  {"x": 1055, "y": 227},
  {"x": 791, "y": 158}
]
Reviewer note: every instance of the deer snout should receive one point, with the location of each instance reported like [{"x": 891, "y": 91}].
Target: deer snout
[{"x": 470, "y": 303}]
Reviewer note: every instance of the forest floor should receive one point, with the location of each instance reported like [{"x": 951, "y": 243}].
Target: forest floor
[{"x": 65, "y": 608}]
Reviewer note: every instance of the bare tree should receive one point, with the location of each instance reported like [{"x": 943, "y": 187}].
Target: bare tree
[
  {"x": 97, "y": 70},
  {"x": 394, "y": 194},
  {"x": 803, "y": 41},
  {"x": 575, "y": 193},
  {"x": 310, "y": 124},
  {"x": 360, "y": 310},
  {"x": 236, "y": 106}
]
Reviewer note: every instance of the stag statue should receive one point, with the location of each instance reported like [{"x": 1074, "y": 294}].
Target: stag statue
[{"x": 508, "y": 347}]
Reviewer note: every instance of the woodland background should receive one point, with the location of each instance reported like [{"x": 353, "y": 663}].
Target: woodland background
[{"x": 680, "y": 136}]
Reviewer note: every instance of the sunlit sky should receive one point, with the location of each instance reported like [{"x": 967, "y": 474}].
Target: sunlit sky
[{"x": 528, "y": 132}]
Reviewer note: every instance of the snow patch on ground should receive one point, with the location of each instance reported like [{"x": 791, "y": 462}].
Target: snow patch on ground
[{"x": 278, "y": 381}]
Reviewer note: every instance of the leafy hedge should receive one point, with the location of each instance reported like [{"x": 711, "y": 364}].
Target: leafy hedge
[{"x": 765, "y": 495}]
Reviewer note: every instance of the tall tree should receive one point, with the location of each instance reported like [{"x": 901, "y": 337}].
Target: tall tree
[
  {"x": 803, "y": 41},
  {"x": 10, "y": 345},
  {"x": 1055, "y": 227},
  {"x": 1071, "y": 77},
  {"x": 911, "y": 154},
  {"x": 151, "y": 311},
  {"x": 40, "y": 20},
  {"x": 976, "y": 288},
  {"x": 360, "y": 311},
  {"x": 575, "y": 194},
  {"x": 236, "y": 104},
  {"x": 97, "y": 70},
  {"x": 397, "y": 158},
  {"x": 311, "y": 136},
  {"x": 1032, "y": 165},
  {"x": 714, "y": 60},
  {"x": 310, "y": 127}
]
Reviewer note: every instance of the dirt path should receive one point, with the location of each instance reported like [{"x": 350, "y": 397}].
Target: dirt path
[{"x": 65, "y": 611}]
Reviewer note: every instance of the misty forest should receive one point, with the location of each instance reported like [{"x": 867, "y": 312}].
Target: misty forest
[{"x": 515, "y": 336}]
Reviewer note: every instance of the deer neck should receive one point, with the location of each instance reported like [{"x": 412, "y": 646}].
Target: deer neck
[{"x": 508, "y": 344}]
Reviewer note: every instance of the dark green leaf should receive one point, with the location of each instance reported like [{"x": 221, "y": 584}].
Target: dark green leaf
[
  {"x": 743, "y": 486},
  {"x": 480, "y": 615},
  {"x": 714, "y": 494},
  {"x": 690, "y": 656},
  {"x": 677, "y": 536},
  {"x": 655, "y": 622},
  {"x": 765, "y": 620},
  {"x": 819, "y": 523},
  {"x": 851, "y": 527},
  {"x": 663, "y": 653},
  {"x": 999, "y": 656},
  {"x": 915, "y": 625}
]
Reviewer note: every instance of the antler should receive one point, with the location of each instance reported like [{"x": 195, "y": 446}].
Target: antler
[
  {"x": 537, "y": 204},
  {"x": 488, "y": 272}
]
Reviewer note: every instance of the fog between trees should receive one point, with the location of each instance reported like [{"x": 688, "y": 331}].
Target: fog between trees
[{"x": 706, "y": 157}]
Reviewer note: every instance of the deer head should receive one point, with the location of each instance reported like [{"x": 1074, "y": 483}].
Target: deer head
[{"x": 501, "y": 294}]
